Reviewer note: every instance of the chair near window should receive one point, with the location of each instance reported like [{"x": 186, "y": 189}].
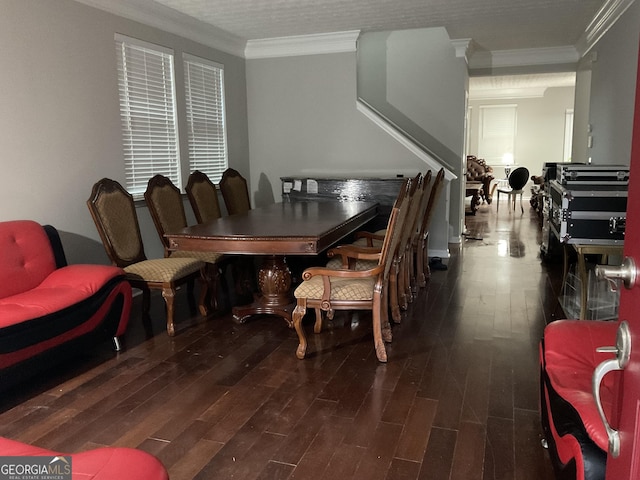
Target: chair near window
[
  {"x": 517, "y": 180},
  {"x": 235, "y": 192},
  {"x": 113, "y": 211},
  {"x": 167, "y": 211},
  {"x": 203, "y": 197}
]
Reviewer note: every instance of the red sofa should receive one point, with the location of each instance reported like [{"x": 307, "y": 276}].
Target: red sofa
[
  {"x": 109, "y": 463},
  {"x": 575, "y": 434},
  {"x": 49, "y": 308}
]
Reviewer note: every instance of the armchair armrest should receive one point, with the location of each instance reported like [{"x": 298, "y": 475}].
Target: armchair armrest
[
  {"x": 370, "y": 237},
  {"x": 352, "y": 253}
]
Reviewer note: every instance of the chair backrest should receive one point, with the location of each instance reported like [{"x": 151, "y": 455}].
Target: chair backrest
[
  {"x": 422, "y": 208},
  {"x": 393, "y": 235},
  {"x": 434, "y": 194},
  {"x": 166, "y": 208},
  {"x": 235, "y": 192},
  {"x": 416, "y": 194},
  {"x": 114, "y": 214},
  {"x": 203, "y": 197},
  {"x": 519, "y": 178}
]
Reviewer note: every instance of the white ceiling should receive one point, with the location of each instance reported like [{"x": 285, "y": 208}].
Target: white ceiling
[
  {"x": 517, "y": 86},
  {"x": 492, "y": 24}
]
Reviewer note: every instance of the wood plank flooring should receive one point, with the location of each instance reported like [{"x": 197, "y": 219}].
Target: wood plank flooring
[{"x": 458, "y": 398}]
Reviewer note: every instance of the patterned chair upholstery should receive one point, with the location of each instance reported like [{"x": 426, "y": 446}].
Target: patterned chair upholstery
[
  {"x": 114, "y": 213},
  {"x": 203, "y": 197},
  {"x": 326, "y": 289},
  {"x": 167, "y": 211},
  {"x": 235, "y": 192}
]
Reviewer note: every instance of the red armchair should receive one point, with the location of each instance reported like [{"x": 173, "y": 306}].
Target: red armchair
[
  {"x": 48, "y": 308},
  {"x": 574, "y": 433}
]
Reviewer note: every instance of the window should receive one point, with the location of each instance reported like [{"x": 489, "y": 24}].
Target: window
[
  {"x": 497, "y": 134},
  {"x": 568, "y": 135},
  {"x": 204, "y": 97},
  {"x": 147, "y": 111}
]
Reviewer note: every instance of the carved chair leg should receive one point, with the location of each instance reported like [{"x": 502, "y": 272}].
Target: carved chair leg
[
  {"x": 402, "y": 285},
  {"x": 381, "y": 351},
  {"x": 387, "y": 334},
  {"x": 169, "y": 294},
  {"x": 317, "y": 327},
  {"x": 205, "y": 282},
  {"x": 421, "y": 280},
  {"x": 393, "y": 294},
  {"x": 298, "y": 313}
]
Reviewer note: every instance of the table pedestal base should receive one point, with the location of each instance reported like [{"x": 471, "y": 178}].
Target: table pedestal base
[{"x": 274, "y": 298}]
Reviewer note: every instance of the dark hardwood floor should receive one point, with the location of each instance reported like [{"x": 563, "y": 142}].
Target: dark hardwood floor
[{"x": 458, "y": 398}]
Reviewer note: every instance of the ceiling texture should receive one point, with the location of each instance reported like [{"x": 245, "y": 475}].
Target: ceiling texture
[
  {"x": 492, "y": 24},
  {"x": 511, "y": 28}
]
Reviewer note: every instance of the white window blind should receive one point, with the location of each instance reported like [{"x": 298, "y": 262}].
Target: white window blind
[
  {"x": 204, "y": 97},
  {"x": 147, "y": 111},
  {"x": 497, "y": 137}
]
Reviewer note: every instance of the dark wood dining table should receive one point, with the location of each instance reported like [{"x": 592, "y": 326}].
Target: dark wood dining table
[{"x": 275, "y": 231}]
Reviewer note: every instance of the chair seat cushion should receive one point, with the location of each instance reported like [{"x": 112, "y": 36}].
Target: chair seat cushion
[
  {"x": 364, "y": 242},
  {"x": 207, "y": 257},
  {"x": 163, "y": 269},
  {"x": 341, "y": 289},
  {"x": 335, "y": 263}
]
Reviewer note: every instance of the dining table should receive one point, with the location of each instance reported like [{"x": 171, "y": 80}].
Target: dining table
[{"x": 274, "y": 232}]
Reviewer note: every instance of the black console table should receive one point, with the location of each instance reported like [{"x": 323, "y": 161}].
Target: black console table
[{"x": 381, "y": 190}]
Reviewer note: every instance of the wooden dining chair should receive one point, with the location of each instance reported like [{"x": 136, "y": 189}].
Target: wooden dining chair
[
  {"x": 402, "y": 257},
  {"x": 113, "y": 211},
  {"x": 415, "y": 233},
  {"x": 399, "y": 279},
  {"x": 235, "y": 192},
  {"x": 327, "y": 289},
  {"x": 164, "y": 201},
  {"x": 203, "y": 197},
  {"x": 423, "y": 271}
]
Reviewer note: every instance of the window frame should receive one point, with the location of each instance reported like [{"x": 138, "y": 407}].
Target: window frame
[
  {"x": 206, "y": 116},
  {"x": 150, "y": 76}
]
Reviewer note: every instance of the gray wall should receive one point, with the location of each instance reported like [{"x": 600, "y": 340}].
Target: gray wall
[
  {"x": 540, "y": 128},
  {"x": 612, "y": 91},
  {"x": 59, "y": 116},
  {"x": 303, "y": 121}
]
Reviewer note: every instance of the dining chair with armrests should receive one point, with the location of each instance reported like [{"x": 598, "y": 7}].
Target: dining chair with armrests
[
  {"x": 517, "y": 180},
  {"x": 113, "y": 211},
  {"x": 328, "y": 289},
  {"x": 423, "y": 272},
  {"x": 235, "y": 192},
  {"x": 203, "y": 197},
  {"x": 166, "y": 207},
  {"x": 396, "y": 279}
]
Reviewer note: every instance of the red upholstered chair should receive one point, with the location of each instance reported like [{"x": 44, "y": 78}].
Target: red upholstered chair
[
  {"x": 574, "y": 432},
  {"x": 108, "y": 463}
]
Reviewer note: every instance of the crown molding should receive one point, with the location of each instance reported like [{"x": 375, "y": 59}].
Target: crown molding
[
  {"x": 464, "y": 48},
  {"x": 336, "y": 42},
  {"x": 506, "y": 93},
  {"x": 604, "y": 19},
  {"x": 524, "y": 57},
  {"x": 157, "y": 15}
]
